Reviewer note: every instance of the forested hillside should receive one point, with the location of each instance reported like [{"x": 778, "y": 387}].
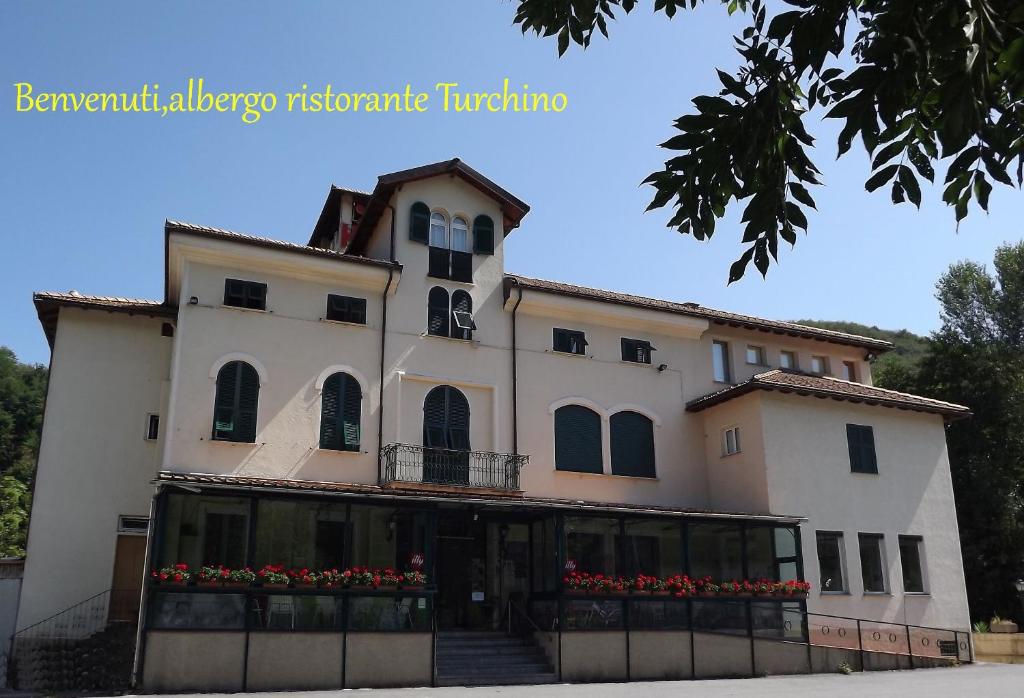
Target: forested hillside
[
  {"x": 895, "y": 369},
  {"x": 22, "y": 391}
]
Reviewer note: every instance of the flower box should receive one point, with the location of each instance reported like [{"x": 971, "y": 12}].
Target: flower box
[
  {"x": 661, "y": 592},
  {"x": 274, "y": 585},
  {"x": 305, "y": 585},
  {"x": 361, "y": 587},
  {"x": 411, "y": 587},
  {"x": 236, "y": 585},
  {"x": 208, "y": 583}
]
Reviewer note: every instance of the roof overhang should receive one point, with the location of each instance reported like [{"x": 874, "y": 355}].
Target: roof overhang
[
  {"x": 829, "y": 388},
  {"x": 48, "y": 305},
  {"x": 513, "y": 209},
  {"x": 327, "y": 224},
  {"x": 203, "y": 482}
]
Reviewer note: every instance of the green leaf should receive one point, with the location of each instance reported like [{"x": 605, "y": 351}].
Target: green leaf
[
  {"x": 563, "y": 40},
  {"x": 795, "y": 215},
  {"x": 909, "y": 182},
  {"x": 921, "y": 163},
  {"x": 887, "y": 153},
  {"x": 897, "y": 193},
  {"x": 982, "y": 189},
  {"x": 740, "y": 265},
  {"x": 801, "y": 194},
  {"x": 881, "y": 177}
]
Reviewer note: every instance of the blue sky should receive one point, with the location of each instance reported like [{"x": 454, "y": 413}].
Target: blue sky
[{"x": 84, "y": 196}]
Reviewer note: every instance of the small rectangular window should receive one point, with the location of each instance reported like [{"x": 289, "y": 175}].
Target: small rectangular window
[
  {"x": 569, "y": 341},
  {"x": 138, "y": 525},
  {"x": 245, "y": 294},
  {"x": 830, "y": 561},
  {"x": 850, "y": 371},
  {"x": 872, "y": 562},
  {"x": 755, "y": 355},
  {"x": 731, "y": 441},
  {"x": 637, "y": 351},
  {"x": 819, "y": 365},
  {"x": 911, "y": 562},
  {"x": 152, "y": 427},
  {"x": 787, "y": 359},
  {"x": 346, "y": 309},
  {"x": 860, "y": 440},
  {"x": 720, "y": 361}
]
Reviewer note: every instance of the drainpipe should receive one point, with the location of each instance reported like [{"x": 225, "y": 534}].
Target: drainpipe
[
  {"x": 383, "y": 341},
  {"x": 515, "y": 372}
]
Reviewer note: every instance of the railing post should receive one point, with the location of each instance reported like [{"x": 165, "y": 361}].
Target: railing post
[
  {"x": 910, "y": 649},
  {"x": 860, "y": 645}
]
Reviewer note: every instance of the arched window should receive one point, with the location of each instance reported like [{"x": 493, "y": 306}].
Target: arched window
[
  {"x": 438, "y": 230},
  {"x": 446, "y": 429},
  {"x": 460, "y": 235},
  {"x": 234, "y": 408},
  {"x": 419, "y": 222},
  {"x": 578, "y": 440},
  {"x": 632, "y": 437},
  {"x": 340, "y": 413},
  {"x": 437, "y": 312},
  {"x": 483, "y": 235},
  {"x": 462, "y": 315}
]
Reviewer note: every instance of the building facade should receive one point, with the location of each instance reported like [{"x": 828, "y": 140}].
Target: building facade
[{"x": 388, "y": 397}]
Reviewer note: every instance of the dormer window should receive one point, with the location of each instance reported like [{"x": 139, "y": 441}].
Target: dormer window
[
  {"x": 438, "y": 230},
  {"x": 450, "y": 257},
  {"x": 460, "y": 235}
]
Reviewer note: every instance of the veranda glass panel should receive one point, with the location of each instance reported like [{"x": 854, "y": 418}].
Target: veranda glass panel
[
  {"x": 197, "y": 611},
  {"x": 720, "y": 617},
  {"x": 590, "y": 544},
  {"x": 390, "y": 537},
  {"x": 760, "y": 553},
  {"x": 299, "y": 534},
  {"x": 652, "y": 547},
  {"x": 545, "y": 562},
  {"x": 781, "y": 621},
  {"x": 200, "y": 530},
  {"x": 381, "y": 613},
  {"x": 715, "y": 550},
  {"x": 668, "y": 614},
  {"x": 295, "y": 612},
  {"x": 596, "y": 614}
]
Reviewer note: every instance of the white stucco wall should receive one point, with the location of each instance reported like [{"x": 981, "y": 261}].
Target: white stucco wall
[
  {"x": 108, "y": 371},
  {"x": 808, "y": 468}
]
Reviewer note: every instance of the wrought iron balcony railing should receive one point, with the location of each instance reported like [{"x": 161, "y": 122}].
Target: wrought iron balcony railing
[{"x": 440, "y": 466}]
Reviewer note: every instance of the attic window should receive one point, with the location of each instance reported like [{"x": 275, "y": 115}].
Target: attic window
[
  {"x": 637, "y": 350},
  {"x": 569, "y": 341},
  {"x": 245, "y": 294}
]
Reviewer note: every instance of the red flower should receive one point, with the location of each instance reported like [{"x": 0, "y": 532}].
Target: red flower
[{"x": 181, "y": 566}]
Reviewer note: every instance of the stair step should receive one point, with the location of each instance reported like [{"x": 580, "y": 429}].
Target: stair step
[
  {"x": 523, "y": 658},
  {"x": 478, "y": 650},
  {"x": 468, "y": 667},
  {"x": 496, "y": 680}
]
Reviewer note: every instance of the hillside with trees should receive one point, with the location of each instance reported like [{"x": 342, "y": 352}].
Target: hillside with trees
[
  {"x": 895, "y": 369},
  {"x": 22, "y": 392}
]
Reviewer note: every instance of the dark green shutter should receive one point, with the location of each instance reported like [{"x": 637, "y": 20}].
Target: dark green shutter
[
  {"x": 632, "y": 437},
  {"x": 330, "y": 434},
  {"x": 461, "y": 303},
  {"x": 578, "y": 440},
  {"x": 437, "y": 312},
  {"x": 352, "y": 401},
  {"x": 236, "y": 402},
  {"x": 861, "y": 444},
  {"x": 483, "y": 235},
  {"x": 419, "y": 222}
]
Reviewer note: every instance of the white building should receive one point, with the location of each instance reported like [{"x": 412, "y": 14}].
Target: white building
[{"x": 388, "y": 396}]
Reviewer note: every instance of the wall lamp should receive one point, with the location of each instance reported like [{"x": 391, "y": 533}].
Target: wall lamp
[
  {"x": 193, "y": 300},
  {"x": 662, "y": 367}
]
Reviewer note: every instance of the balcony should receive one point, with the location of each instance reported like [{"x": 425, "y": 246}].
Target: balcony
[{"x": 443, "y": 468}]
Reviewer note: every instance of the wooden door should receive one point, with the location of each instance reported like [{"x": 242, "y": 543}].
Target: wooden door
[{"x": 129, "y": 571}]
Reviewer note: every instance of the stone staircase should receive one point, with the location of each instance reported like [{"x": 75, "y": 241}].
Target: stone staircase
[{"x": 489, "y": 658}]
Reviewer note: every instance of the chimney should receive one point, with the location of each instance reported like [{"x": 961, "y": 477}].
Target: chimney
[{"x": 345, "y": 222}]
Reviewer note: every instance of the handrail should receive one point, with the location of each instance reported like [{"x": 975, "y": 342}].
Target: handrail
[
  {"x": 888, "y": 622},
  {"x": 513, "y": 607},
  {"x": 60, "y": 613}
]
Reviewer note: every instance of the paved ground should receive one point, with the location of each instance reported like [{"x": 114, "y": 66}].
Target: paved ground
[{"x": 989, "y": 680}]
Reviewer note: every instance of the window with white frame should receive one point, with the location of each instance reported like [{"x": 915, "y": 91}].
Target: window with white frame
[
  {"x": 755, "y": 355},
  {"x": 850, "y": 371},
  {"x": 787, "y": 359},
  {"x": 730, "y": 441},
  {"x": 912, "y": 562},
  {"x": 831, "y": 562},
  {"x": 819, "y": 365},
  {"x": 438, "y": 230},
  {"x": 720, "y": 361},
  {"x": 460, "y": 235},
  {"x": 872, "y": 562}
]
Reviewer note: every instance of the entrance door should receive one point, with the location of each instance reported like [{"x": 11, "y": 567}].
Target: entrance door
[
  {"x": 461, "y": 574},
  {"x": 129, "y": 570},
  {"x": 446, "y": 436}
]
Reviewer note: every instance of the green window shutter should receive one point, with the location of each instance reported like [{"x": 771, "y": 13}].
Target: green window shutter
[
  {"x": 861, "y": 444},
  {"x": 224, "y": 403},
  {"x": 632, "y": 442},
  {"x": 330, "y": 434},
  {"x": 248, "y": 401},
  {"x": 578, "y": 440},
  {"x": 483, "y": 235},
  {"x": 419, "y": 222},
  {"x": 352, "y": 401},
  {"x": 437, "y": 312}
]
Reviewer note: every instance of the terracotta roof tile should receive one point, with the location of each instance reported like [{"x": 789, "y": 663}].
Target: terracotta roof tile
[
  {"x": 787, "y": 381},
  {"x": 719, "y": 317},
  {"x": 48, "y": 304}
]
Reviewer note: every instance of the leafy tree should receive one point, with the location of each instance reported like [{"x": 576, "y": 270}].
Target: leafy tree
[
  {"x": 896, "y": 369},
  {"x": 22, "y": 391},
  {"x": 977, "y": 359},
  {"x": 920, "y": 81}
]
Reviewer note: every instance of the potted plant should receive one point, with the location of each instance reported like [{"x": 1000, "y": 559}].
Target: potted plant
[
  {"x": 1001, "y": 625},
  {"x": 175, "y": 575},
  {"x": 304, "y": 578},
  {"x": 578, "y": 582},
  {"x": 209, "y": 576},
  {"x": 239, "y": 578},
  {"x": 794, "y": 589},
  {"x": 332, "y": 578},
  {"x": 705, "y": 587},
  {"x": 273, "y": 577},
  {"x": 363, "y": 578},
  {"x": 413, "y": 580},
  {"x": 618, "y": 586}
]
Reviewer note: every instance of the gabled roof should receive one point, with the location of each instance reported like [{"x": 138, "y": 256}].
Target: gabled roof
[
  {"x": 49, "y": 303},
  {"x": 799, "y": 383},
  {"x": 719, "y": 317},
  {"x": 327, "y": 224},
  {"x": 513, "y": 209}
]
